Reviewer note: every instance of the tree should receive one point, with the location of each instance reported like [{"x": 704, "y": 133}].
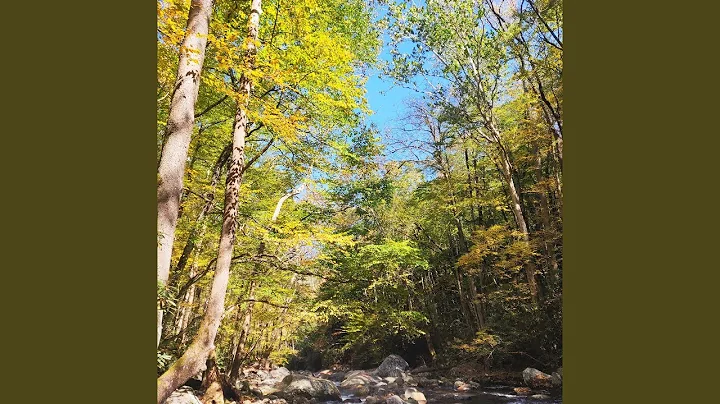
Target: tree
[
  {"x": 177, "y": 136},
  {"x": 191, "y": 361},
  {"x": 295, "y": 83}
]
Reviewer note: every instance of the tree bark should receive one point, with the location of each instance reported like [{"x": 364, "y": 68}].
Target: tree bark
[
  {"x": 548, "y": 239},
  {"x": 516, "y": 207},
  {"x": 476, "y": 304},
  {"x": 470, "y": 189},
  {"x": 191, "y": 361},
  {"x": 196, "y": 233},
  {"x": 178, "y": 133},
  {"x": 212, "y": 383},
  {"x": 238, "y": 357}
]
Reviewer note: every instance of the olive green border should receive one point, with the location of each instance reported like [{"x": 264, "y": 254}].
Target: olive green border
[
  {"x": 78, "y": 179},
  {"x": 637, "y": 299},
  {"x": 79, "y": 201}
]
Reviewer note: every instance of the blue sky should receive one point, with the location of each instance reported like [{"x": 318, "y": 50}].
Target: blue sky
[{"x": 386, "y": 100}]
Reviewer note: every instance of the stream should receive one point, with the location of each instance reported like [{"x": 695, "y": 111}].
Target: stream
[{"x": 485, "y": 395}]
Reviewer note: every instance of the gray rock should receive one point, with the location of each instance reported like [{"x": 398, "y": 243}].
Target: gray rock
[
  {"x": 304, "y": 372},
  {"x": 295, "y": 385},
  {"x": 300, "y": 400},
  {"x": 556, "y": 379},
  {"x": 360, "y": 378},
  {"x": 421, "y": 369},
  {"x": 242, "y": 385},
  {"x": 183, "y": 395},
  {"x": 265, "y": 390},
  {"x": 413, "y": 394},
  {"x": 353, "y": 373},
  {"x": 375, "y": 388},
  {"x": 535, "y": 378},
  {"x": 460, "y": 385},
  {"x": 362, "y": 391},
  {"x": 408, "y": 380},
  {"x": 279, "y": 373},
  {"x": 394, "y": 399},
  {"x": 337, "y": 376},
  {"x": 540, "y": 396},
  {"x": 392, "y": 366},
  {"x": 373, "y": 400}
]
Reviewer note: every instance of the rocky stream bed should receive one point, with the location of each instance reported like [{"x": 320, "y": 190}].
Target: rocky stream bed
[{"x": 390, "y": 383}]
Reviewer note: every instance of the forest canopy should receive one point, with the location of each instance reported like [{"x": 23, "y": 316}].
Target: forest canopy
[{"x": 295, "y": 229}]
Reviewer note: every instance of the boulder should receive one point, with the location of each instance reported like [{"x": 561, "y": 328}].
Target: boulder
[
  {"x": 304, "y": 372},
  {"x": 413, "y": 394},
  {"x": 381, "y": 391},
  {"x": 540, "y": 396},
  {"x": 556, "y": 378},
  {"x": 422, "y": 369},
  {"x": 394, "y": 399},
  {"x": 373, "y": 400},
  {"x": 242, "y": 385},
  {"x": 337, "y": 376},
  {"x": 300, "y": 400},
  {"x": 522, "y": 391},
  {"x": 183, "y": 395},
  {"x": 408, "y": 380},
  {"x": 536, "y": 379},
  {"x": 279, "y": 373},
  {"x": 392, "y": 366},
  {"x": 355, "y": 379},
  {"x": 355, "y": 373},
  {"x": 362, "y": 391},
  {"x": 295, "y": 385},
  {"x": 264, "y": 390},
  {"x": 460, "y": 385}
]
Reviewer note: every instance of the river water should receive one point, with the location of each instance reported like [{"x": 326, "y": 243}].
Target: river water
[{"x": 485, "y": 395}]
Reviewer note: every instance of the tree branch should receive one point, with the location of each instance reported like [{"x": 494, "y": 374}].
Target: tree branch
[{"x": 211, "y": 106}]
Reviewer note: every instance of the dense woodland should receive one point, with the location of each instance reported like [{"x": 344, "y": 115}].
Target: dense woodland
[{"x": 293, "y": 231}]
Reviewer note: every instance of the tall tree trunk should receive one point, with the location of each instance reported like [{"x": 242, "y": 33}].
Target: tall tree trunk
[
  {"x": 464, "y": 305},
  {"x": 516, "y": 207},
  {"x": 197, "y": 231},
  {"x": 239, "y": 354},
  {"x": 184, "y": 308},
  {"x": 548, "y": 236},
  {"x": 476, "y": 304},
  {"x": 191, "y": 361},
  {"x": 178, "y": 133},
  {"x": 471, "y": 188},
  {"x": 212, "y": 383}
]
